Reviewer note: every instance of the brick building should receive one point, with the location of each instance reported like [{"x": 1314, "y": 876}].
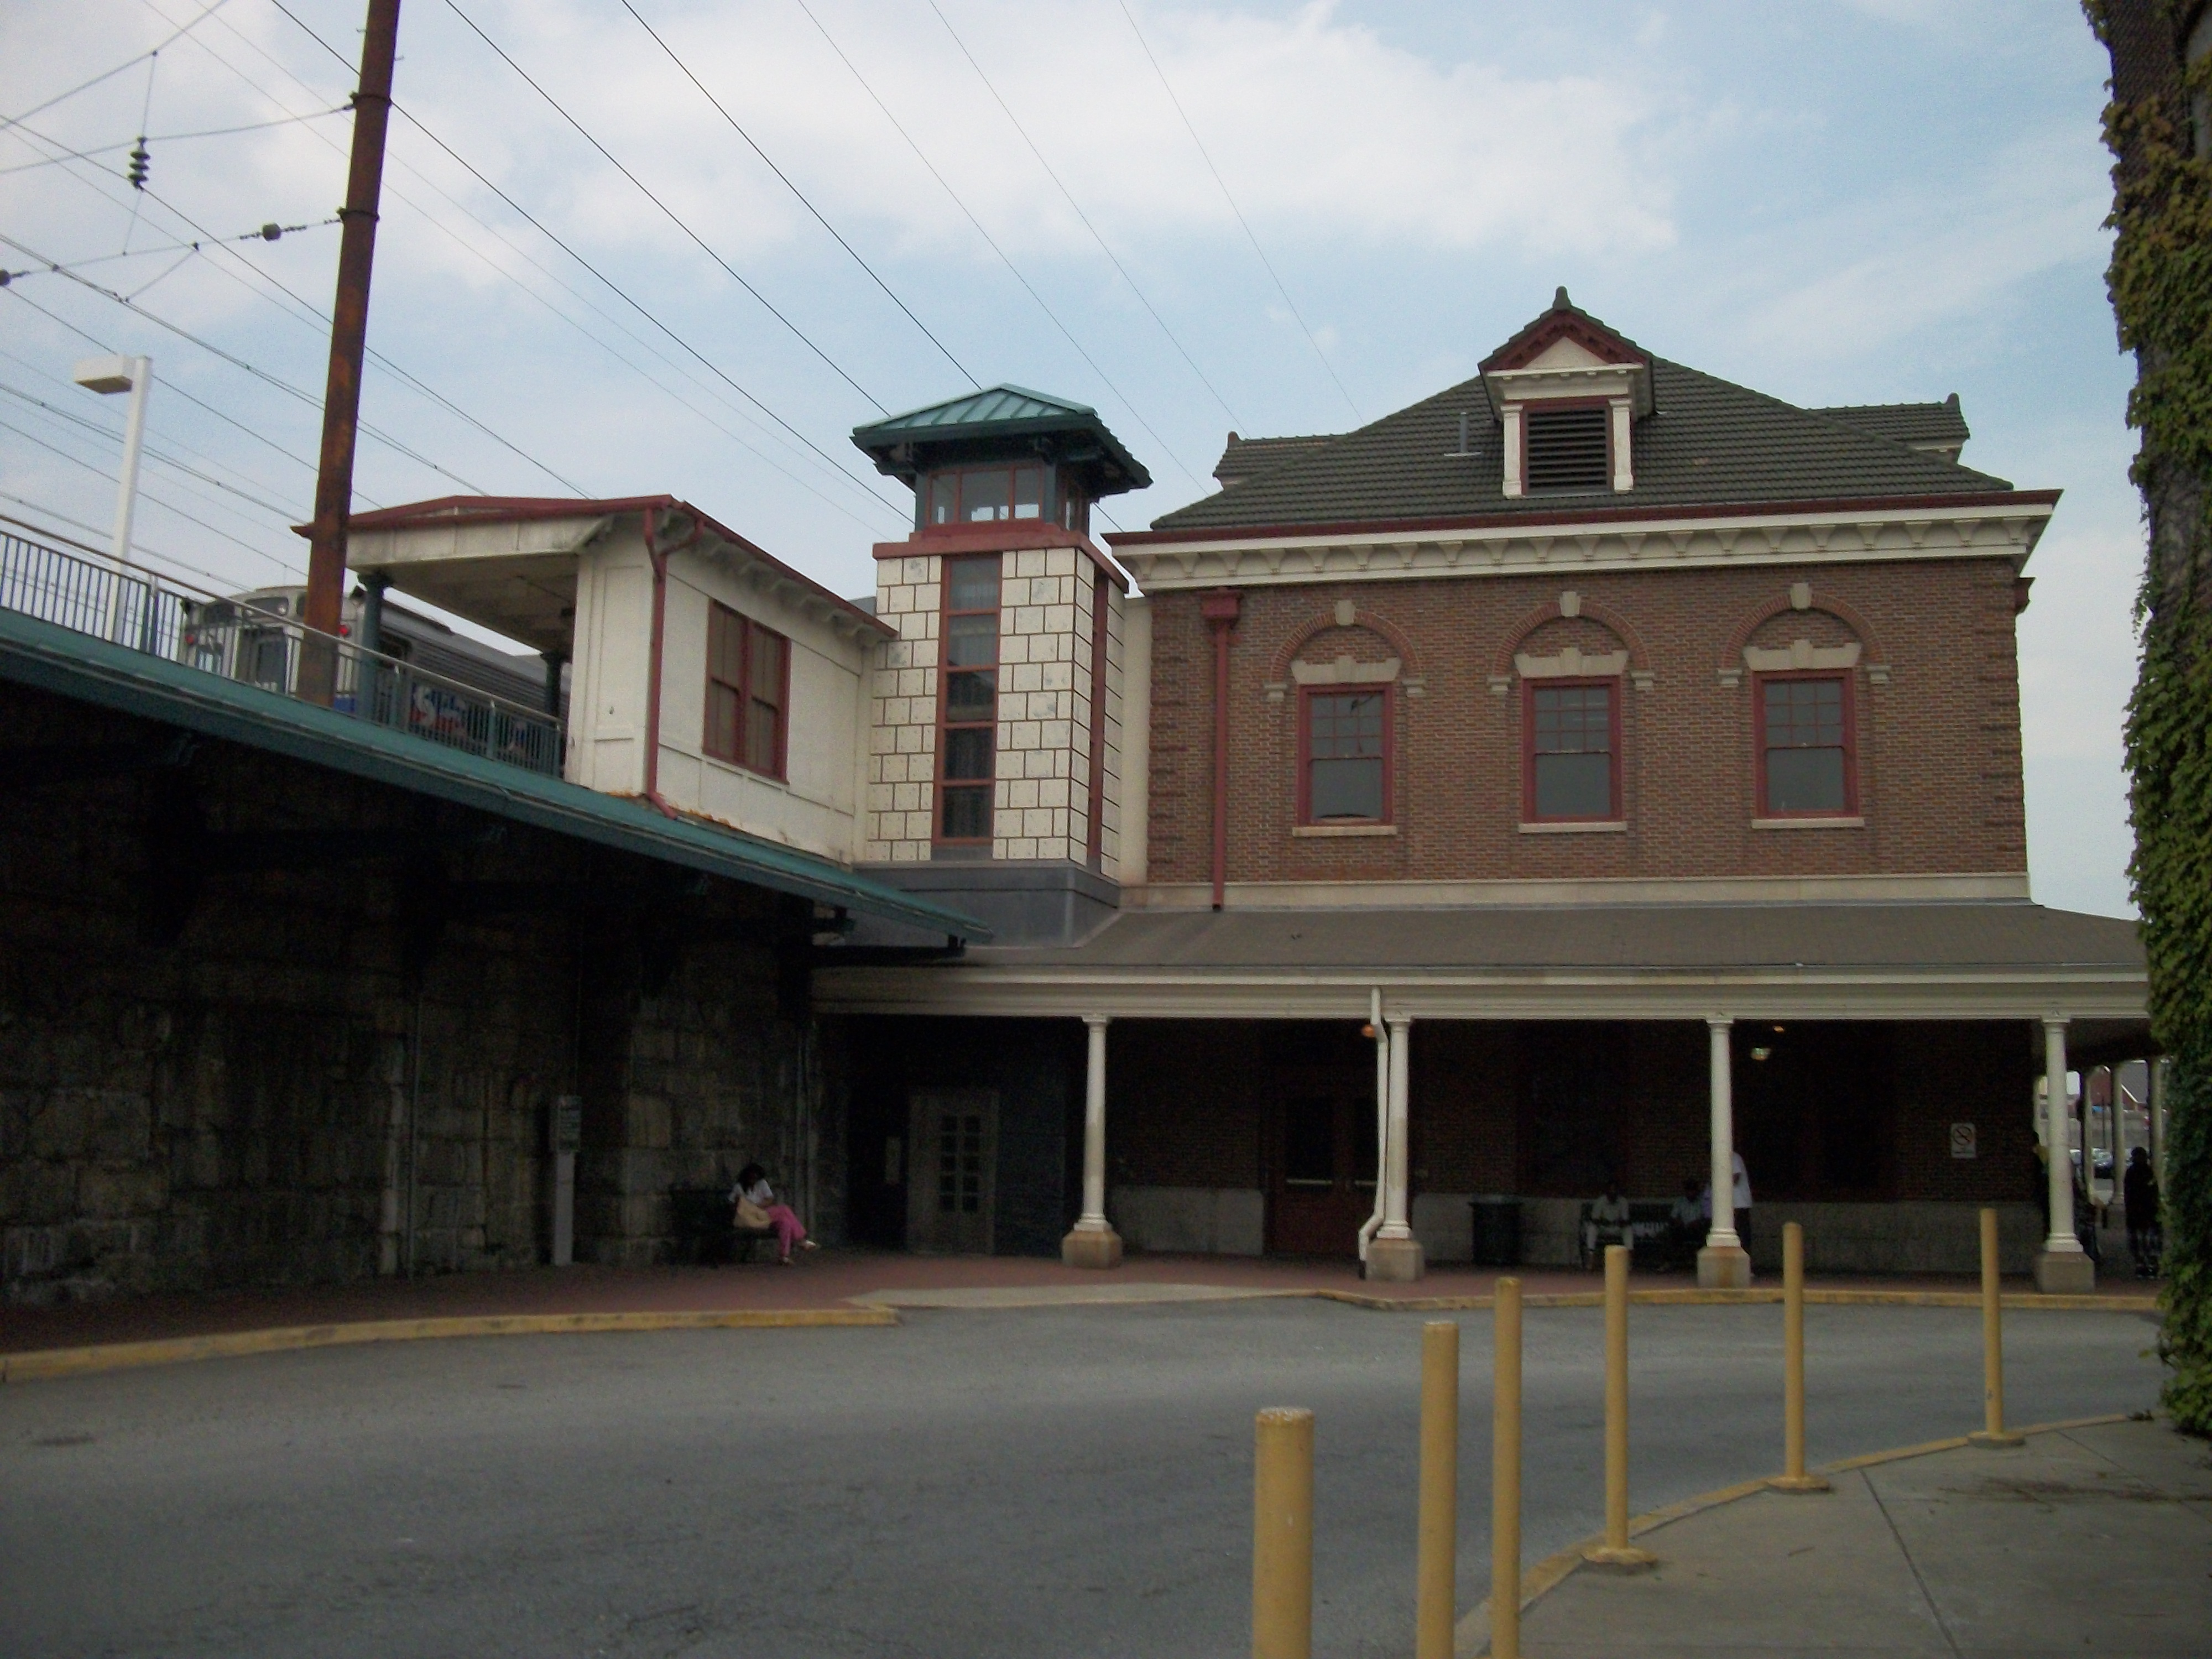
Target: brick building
[{"x": 1589, "y": 774}]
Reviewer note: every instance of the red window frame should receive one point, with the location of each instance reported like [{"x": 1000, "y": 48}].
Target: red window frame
[
  {"x": 926, "y": 495},
  {"x": 1528, "y": 690},
  {"x": 730, "y": 744},
  {"x": 946, "y": 724},
  {"x": 1388, "y": 693},
  {"x": 1846, "y": 679}
]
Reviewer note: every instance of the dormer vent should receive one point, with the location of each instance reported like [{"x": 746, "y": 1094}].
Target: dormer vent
[{"x": 1567, "y": 450}]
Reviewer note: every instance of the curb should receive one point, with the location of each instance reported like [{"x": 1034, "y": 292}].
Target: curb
[
  {"x": 48, "y": 1363},
  {"x": 1471, "y": 1635},
  {"x": 2019, "y": 1301}
]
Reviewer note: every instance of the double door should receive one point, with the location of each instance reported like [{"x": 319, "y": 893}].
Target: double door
[{"x": 1321, "y": 1171}]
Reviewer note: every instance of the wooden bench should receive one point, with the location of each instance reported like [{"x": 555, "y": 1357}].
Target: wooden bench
[
  {"x": 704, "y": 1222},
  {"x": 1649, "y": 1234}
]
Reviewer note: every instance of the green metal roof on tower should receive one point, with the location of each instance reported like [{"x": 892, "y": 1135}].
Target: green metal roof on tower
[{"x": 999, "y": 422}]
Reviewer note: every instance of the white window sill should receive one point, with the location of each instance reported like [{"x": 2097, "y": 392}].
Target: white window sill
[
  {"x": 1808, "y": 823},
  {"x": 1577, "y": 827},
  {"x": 1325, "y": 831}
]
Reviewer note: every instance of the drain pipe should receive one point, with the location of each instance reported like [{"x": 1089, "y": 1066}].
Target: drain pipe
[
  {"x": 658, "y": 556},
  {"x": 1219, "y": 607},
  {"x": 1381, "y": 1034}
]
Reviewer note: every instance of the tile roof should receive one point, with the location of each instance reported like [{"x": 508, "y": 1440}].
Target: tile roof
[
  {"x": 1241, "y": 457},
  {"x": 985, "y": 408},
  {"x": 1918, "y": 426},
  {"x": 1709, "y": 443}
]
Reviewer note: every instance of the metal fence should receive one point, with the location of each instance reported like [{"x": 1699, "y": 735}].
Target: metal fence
[{"x": 235, "y": 640}]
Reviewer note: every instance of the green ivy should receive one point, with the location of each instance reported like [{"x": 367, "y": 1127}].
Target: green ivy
[{"x": 2161, "y": 282}]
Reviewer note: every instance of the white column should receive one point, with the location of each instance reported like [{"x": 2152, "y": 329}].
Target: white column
[
  {"x": 2156, "y": 1101},
  {"x": 1723, "y": 1235},
  {"x": 1093, "y": 1219},
  {"x": 2062, "y": 1241},
  {"x": 1394, "y": 1152}
]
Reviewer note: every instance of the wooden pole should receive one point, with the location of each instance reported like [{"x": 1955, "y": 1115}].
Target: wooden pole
[
  {"x": 1282, "y": 1534},
  {"x": 326, "y": 555},
  {"x": 1435, "y": 1576},
  {"x": 1617, "y": 1552},
  {"x": 1792, "y": 1477},
  {"x": 1992, "y": 1431},
  {"x": 1505, "y": 1476}
]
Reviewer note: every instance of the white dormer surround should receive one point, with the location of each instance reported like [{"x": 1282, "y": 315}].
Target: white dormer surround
[{"x": 1568, "y": 372}]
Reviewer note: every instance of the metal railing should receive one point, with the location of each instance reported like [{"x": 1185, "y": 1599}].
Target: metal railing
[{"x": 238, "y": 641}]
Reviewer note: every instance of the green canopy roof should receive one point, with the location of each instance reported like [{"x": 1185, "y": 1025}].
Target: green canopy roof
[{"x": 1011, "y": 420}]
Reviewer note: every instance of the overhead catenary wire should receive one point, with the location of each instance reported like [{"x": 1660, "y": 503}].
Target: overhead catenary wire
[
  {"x": 173, "y": 139},
  {"x": 268, "y": 233},
  {"x": 1104, "y": 247},
  {"x": 207, "y": 11},
  {"x": 838, "y": 468},
  {"x": 722, "y": 111},
  {"x": 285, "y": 515},
  {"x": 991, "y": 242},
  {"x": 139, "y": 549},
  {"x": 672, "y": 217},
  {"x": 1205, "y": 155}
]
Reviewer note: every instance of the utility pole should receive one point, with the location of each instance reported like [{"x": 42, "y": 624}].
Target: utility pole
[{"x": 326, "y": 558}]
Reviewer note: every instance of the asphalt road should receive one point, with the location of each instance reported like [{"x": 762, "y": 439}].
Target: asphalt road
[{"x": 1041, "y": 1482}]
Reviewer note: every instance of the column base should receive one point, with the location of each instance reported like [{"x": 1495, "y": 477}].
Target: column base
[
  {"x": 1799, "y": 1483},
  {"x": 1091, "y": 1247},
  {"x": 1724, "y": 1267},
  {"x": 1626, "y": 1558},
  {"x": 2065, "y": 1273},
  {"x": 1395, "y": 1260},
  {"x": 2001, "y": 1439}
]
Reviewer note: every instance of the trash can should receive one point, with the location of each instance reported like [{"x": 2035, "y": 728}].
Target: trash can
[{"x": 1496, "y": 1230}]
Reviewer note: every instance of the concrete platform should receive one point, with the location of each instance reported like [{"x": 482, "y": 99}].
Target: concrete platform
[{"x": 2086, "y": 1540}]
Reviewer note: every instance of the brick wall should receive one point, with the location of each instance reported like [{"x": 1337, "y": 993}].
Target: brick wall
[{"x": 1939, "y": 752}]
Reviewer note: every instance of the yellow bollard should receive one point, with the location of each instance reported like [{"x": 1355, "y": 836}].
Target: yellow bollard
[
  {"x": 1505, "y": 1478},
  {"x": 1436, "y": 1574},
  {"x": 1282, "y": 1534},
  {"x": 1992, "y": 1431},
  {"x": 1617, "y": 1552},
  {"x": 1792, "y": 1477}
]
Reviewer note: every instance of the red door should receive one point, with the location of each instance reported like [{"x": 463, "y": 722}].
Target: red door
[{"x": 1323, "y": 1169}]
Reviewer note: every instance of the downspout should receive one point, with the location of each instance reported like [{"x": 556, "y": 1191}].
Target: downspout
[
  {"x": 1380, "y": 1033},
  {"x": 1219, "y": 608},
  {"x": 658, "y": 555}
]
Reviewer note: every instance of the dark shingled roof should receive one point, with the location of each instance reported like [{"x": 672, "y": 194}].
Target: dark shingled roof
[
  {"x": 1709, "y": 443},
  {"x": 1243, "y": 457},
  {"x": 1917, "y": 426}
]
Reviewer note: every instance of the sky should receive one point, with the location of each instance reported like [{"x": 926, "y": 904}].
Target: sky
[{"x": 694, "y": 264}]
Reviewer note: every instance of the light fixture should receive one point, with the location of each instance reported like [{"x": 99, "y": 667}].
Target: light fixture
[
  {"x": 135, "y": 376},
  {"x": 1761, "y": 1054}
]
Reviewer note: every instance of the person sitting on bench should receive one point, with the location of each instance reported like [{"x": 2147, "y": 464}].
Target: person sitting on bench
[
  {"x": 758, "y": 1208},
  {"x": 1608, "y": 1222},
  {"x": 1687, "y": 1223}
]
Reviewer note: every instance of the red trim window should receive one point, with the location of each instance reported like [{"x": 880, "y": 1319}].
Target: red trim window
[
  {"x": 988, "y": 494},
  {"x": 748, "y": 692},
  {"x": 968, "y": 729},
  {"x": 1571, "y": 751},
  {"x": 1344, "y": 754},
  {"x": 1807, "y": 739}
]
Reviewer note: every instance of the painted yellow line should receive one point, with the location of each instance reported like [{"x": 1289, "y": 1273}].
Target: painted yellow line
[
  {"x": 226, "y": 1344},
  {"x": 1471, "y": 1636}
]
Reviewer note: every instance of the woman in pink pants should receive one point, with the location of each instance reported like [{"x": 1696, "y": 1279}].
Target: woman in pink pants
[{"x": 752, "y": 1188}]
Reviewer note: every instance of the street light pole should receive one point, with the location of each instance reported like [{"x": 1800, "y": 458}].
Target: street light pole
[{"x": 135, "y": 376}]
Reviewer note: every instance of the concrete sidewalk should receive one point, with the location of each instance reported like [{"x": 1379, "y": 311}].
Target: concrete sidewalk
[
  {"x": 2094, "y": 1539},
  {"x": 845, "y": 1278}
]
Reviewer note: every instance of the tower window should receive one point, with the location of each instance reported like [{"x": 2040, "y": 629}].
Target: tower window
[{"x": 969, "y": 744}]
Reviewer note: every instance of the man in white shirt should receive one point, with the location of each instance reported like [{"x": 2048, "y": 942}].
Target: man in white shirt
[{"x": 1607, "y": 1224}]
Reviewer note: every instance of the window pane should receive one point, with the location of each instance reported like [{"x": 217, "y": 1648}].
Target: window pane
[
  {"x": 971, "y": 696},
  {"x": 1573, "y": 720},
  {"x": 1573, "y": 786},
  {"x": 1804, "y": 713},
  {"x": 984, "y": 496},
  {"x": 971, "y": 640},
  {"x": 760, "y": 723},
  {"x": 768, "y": 665},
  {"x": 1029, "y": 492},
  {"x": 969, "y": 749},
  {"x": 722, "y": 722},
  {"x": 943, "y": 497},
  {"x": 1805, "y": 779},
  {"x": 1347, "y": 789},
  {"x": 974, "y": 584},
  {"x": 1344, "y": 726},
  {"x": 967, "y": 814}
]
